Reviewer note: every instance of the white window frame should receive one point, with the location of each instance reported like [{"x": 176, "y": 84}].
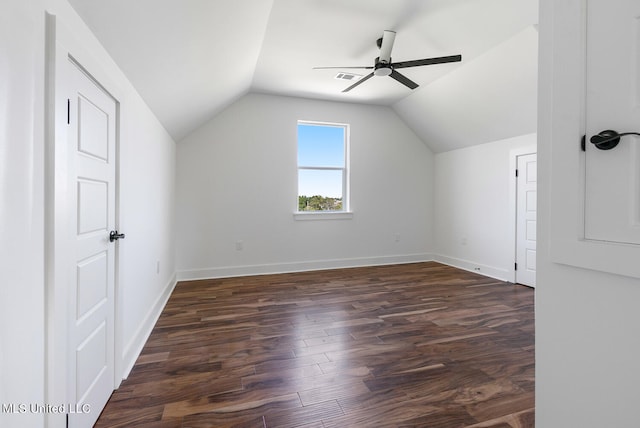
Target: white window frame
[{"x": 346, "y": 212}]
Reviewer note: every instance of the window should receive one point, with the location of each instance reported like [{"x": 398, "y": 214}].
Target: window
[{"x": 323, "y": 167}]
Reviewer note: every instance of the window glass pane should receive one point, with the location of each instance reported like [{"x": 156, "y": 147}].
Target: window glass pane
[
  {"x": 319, "y": 190},
  {"x": 320, "y": 145}
]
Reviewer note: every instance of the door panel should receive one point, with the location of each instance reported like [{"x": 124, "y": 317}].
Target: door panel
[
  {"x": 92, "y": 206},
  {"x": 94, "y": 132},
  {"x": 612, "y": 180},
  {"x": 526, "y": 225},
  {"x": 92, "y": 168},
  {"x": 91, "y": 359},
  {"x": 92, "y": 283}
]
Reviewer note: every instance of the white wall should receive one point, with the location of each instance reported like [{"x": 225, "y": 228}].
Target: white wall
[
  {"x": 146, "y": 204},
  {"x": 473, "y": 227},
  {"x": 21, "y": 208},
  {"x": 237, "y": 181},
  {"x": 587, "y": 322},
  {"x": 587, "y": 347},
  {"x": 147, "y": 217}
]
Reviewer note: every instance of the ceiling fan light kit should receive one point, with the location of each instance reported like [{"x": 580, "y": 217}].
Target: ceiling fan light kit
[{"x": 384, "y": 67}]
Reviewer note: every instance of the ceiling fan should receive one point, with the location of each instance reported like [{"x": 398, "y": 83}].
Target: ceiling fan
[{"x": 384, "y": 67}]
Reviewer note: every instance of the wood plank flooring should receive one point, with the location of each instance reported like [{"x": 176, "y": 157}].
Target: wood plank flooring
[{"x": 416, "y": 345}]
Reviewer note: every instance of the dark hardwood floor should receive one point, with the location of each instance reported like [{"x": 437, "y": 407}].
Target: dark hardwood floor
[{"x": 416, "y": 345}]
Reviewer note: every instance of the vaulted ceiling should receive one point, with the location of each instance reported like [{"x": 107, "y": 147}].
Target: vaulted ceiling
[{"x": 190, "y": 59}]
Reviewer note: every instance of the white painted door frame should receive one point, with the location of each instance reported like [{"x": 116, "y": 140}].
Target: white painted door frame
[
  {"x": 513, "y": 202},
  {"x": 60, "y": 46}
]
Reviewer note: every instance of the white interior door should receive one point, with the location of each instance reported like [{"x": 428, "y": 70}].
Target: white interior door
[
  {"x": 612, "y": 186},
  {"x": 526, "y": 209},
  {"x": 92, "y": 141}
]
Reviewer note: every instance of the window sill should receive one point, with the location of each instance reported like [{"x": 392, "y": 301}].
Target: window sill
[{"x": 323, "y": 215}]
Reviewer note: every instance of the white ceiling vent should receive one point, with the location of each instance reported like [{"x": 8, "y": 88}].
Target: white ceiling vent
[{"x": 348, "y": 76}]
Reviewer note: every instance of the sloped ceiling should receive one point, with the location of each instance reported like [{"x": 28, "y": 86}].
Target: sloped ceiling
[
  {"x": 491, "y": 98},
  {"x": 190, "y": 59}
]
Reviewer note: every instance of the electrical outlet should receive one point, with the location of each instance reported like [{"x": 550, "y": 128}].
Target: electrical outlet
[
  {"x": 239, "y": 245},
  {"x": 397, "y": 237}
]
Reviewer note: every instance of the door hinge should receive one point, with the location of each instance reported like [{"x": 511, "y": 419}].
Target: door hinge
[
  {"x": 67, "y": 426},
  {"x": 68, "y": 111},
  {"x": 516, "y": 172},
  {"x": 583, "y": 143},
  {"x": 515, "y": 266}
]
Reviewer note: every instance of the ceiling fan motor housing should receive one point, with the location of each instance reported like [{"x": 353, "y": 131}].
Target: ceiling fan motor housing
[{"x": 382, "y": 68}]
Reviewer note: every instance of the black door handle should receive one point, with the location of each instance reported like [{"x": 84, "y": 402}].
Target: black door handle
[
  {"x": 114, "y": 235},
  {"x": 607, "y": 140}
]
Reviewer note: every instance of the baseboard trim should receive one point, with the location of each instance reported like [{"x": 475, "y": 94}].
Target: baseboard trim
[
  {"x": 479, "y": 268},
  {"x": 266, "y": 269},
  {"x": 133, "y": 349}
]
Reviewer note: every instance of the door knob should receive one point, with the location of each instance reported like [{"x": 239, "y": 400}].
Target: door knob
[
  {"x": 114, "y": 235},
  {"x": 607, "y": 140}
]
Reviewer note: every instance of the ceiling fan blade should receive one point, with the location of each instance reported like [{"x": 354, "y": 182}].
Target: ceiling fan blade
[
  {"x": 404, "y": 80},
  {"x": 427, "y": 61},
  {"x": 367, "y": 77},
  {"x": 388, "y": 38},
  {"x": 328, "y": 68}
]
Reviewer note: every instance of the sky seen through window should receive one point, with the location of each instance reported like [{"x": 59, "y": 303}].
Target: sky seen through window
[{"x": 320, "y": 146}]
